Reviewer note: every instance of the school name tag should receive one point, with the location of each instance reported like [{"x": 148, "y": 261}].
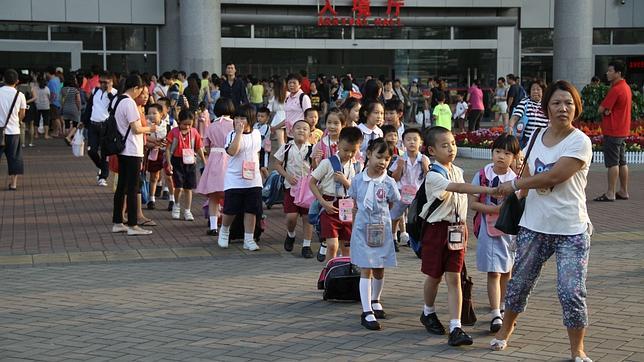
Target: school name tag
[
  {"x": 407, "y": 194},
  {"x": 188, "y": 155},
  {"x": 248, "y": 170},
  {"x": 456, "y": 237},
  {"x": 345, "y": 212}
]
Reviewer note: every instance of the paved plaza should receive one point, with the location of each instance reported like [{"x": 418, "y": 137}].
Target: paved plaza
[{"x": 71, "y": 290}]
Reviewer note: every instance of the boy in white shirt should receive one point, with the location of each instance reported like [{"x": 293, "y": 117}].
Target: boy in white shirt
[{"x": 294, "y": 163}]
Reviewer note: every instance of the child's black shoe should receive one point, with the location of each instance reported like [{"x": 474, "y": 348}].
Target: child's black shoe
[
  {"x": 370, "y": 325},
  {"x": 432, "y": 324}
]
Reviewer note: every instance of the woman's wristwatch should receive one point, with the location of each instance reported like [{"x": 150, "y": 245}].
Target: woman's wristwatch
[{"x": 514, "y": 185}]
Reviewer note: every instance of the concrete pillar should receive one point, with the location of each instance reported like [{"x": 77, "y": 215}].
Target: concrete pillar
[
  {"x": 200, "y": 35},
  {"x": 573, "y": 41},
  {"x": 506, "y": 52},
  {"x": 169, "y": 41}
]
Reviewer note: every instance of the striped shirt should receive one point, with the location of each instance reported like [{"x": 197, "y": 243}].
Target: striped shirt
[{"x": 536, "y": 117}]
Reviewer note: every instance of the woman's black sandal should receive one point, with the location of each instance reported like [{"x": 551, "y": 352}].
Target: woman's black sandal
[{"x": 496, "y": 327}]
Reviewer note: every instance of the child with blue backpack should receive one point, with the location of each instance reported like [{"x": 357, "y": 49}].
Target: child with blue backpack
[
  {"x": 329, "y": 183},
  {"x": 444, "y": 233},
  {"x": 494, "y": 254},
  {"x": 372, "y": 245},
  {"x": 294, "y": 164}
]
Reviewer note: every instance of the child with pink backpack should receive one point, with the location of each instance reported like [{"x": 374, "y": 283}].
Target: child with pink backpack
[{"x": 494, "y": 250}]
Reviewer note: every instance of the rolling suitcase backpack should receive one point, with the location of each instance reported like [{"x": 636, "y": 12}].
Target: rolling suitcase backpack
[{"x": 340, "y": 280}]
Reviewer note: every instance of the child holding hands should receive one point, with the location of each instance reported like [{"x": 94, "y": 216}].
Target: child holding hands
[{"x": 372, "y": 245}]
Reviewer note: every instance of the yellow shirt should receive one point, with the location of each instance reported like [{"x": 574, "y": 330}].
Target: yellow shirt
[
  {"x": 315, "y": 137},
  {"x": 443, "y": 115},
  {"x": 257, "y": 94}
]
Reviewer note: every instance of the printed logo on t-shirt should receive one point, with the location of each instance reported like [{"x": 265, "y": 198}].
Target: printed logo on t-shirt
[{"x": 540, "y": 167}]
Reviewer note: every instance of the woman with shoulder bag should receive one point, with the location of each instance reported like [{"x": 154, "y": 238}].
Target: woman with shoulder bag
[{"x": 555, "y": 185}]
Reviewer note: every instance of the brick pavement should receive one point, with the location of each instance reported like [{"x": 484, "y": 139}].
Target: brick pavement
[
  {"x": 237, "y": 308},
  {"x": 59, "y": 215},
  {"x": 193, "y": 301}
]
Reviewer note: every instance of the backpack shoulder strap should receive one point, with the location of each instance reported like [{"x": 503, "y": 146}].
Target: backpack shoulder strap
[
  {"x": 288, "y": 147},
  {"x": 335, "y": 163},
  {"x": 302, "y": 99},
  {"x": 308, "y": 153}
]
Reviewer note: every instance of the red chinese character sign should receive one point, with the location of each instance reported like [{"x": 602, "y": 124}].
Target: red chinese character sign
[{"x": 361, "y": 14}]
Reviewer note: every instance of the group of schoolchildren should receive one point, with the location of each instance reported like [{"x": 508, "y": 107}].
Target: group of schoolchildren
[{"x": 363, "y": 179}]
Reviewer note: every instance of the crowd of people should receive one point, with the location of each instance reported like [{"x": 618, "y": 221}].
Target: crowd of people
[{"x": 359, "y": 175}]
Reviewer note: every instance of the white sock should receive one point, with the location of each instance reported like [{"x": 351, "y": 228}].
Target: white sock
[
  {"x": 365, "y": 294},
  {"x": 213, "y": 222},
  {"x": 291, "y": 234},
  {"x": 306, "y": 242},
  {"x": 454, "y": 323},
  {"x": 496, "y": 313},
  {"x": 427, "y": 310},
  {"x": 153, "y": 198},
  {"x": 248, "y": 237},
  {"x": 171, "y": 197},
  {"x": 225, "y": 230},
  {"x": 376, "y": 291},
  {"x": 165, "y": 189}
]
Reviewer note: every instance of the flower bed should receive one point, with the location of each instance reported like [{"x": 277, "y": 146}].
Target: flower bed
[{"x": 477, "y": 144}]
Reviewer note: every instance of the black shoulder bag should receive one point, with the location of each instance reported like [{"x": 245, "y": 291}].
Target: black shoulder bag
[{"x": 512, "y": 208}]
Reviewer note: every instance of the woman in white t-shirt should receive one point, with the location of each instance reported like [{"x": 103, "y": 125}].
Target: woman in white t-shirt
[
  {"x": 128, "y": 121},
  {"x": 558, "y": 167},
  {"x": 276, "y": 105}
]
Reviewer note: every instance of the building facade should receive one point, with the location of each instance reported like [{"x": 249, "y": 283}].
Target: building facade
[{"x": 458, "y": 40}]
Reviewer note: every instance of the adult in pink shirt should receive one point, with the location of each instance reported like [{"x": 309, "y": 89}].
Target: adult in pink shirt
[
  {"x": 475, "y": 106},
  {"x": 296, "y": 103}
]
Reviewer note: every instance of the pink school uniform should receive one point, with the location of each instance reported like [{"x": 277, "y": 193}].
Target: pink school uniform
[{"x": 212, "y": 179}]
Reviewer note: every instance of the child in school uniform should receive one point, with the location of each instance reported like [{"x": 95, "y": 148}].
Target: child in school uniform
[
  {"x": 155, "y": 153},
  {"x": 444, "y": 237},
  {"x": 374, "y": 115},
  {"x": 203, "y": 118},
  {"x": 409, "y": 171},
  {"x": 329, "y": 184},
  {"x": 328, "y": 144},
  {"x": 372, "y": 247},
  {"x": 390, "y": 134},
  {"x": 264, "y": 128},
  {"x": 394, "y": 113},
  {"x": 166, "y": 179},
  {"x": 494, "y": 254},
  {"x": 294, "y": 163},
  {"x": 243, "y": 181},
  {"x": 184, "y": 142},
  {"x": 312, "y": 116},
  {"x": 211, "y": 182},
  {"x": 459, "y": 113}
]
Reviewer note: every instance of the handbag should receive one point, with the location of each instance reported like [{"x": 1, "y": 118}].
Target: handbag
[
  {"x": 512, "y": 208},
  {"x": 145, "y": 188},
  {"x": 78, "y": 144},
  {"x": 13, "y": 103},
  {"x": 468, "y": 317},
  {"x": 301, "y": 192}
]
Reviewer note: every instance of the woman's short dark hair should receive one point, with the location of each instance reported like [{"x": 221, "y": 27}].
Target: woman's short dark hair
[
  {"x": 294, "y": 76},
  {"x": 538, "y": 82},
  {"x": 133, "y": 81},
  {"x": 501, "y": 79},
  {"x": 224, "y": 107},
  {"x": 507, "y": 142},
  {"x": 565, "y": 86},
  {"x": 247, "y": 111}
]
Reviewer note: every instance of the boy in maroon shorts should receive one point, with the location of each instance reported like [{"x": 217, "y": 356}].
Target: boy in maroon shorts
[
  {"x": 330, "y": 183},
  {"x": 293, "y": 163},
  {"x": 445, "y": 234}
]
